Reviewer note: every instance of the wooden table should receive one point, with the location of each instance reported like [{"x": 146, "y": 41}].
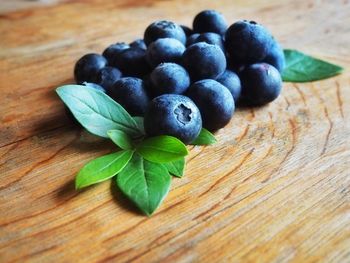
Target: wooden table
[{"x": 276, "y": 187}]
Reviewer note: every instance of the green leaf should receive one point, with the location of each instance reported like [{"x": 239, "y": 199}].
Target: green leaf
[
  {"x": 121, "y": 139},
  {"x": 176, "y": 168},
  {"x": 162, "y": 149},
  {"x": 205, "y": 137},
  {"x": 97, "y": 112},
  {"x": 102, "y": 168},
  {"x": 139, "y": 123},
  {"x": 145, "y": 183},
  {"x": 303, "y": 68}
]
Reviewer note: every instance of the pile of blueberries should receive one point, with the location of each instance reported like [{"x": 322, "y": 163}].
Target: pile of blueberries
[{"x": 180, "y": 79}]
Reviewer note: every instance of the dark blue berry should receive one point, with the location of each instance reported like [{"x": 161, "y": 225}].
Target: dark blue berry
[
  {"x": 210, "y": 21},
  {"x": 231, "y": 81},
  {"x": 275, "y": 56},
  {"x": 204, "y": 61},
  {"x": 132, "y": 62},
  {"x": 164, "y": 50},
  {"x": 192, "y": 39},
  {"x": 148, "y": 86},
  {"x": 261, "y": 84},
  {"x": 108, "y": 76},
  {"x": 188, "y": 31},
  {"x": 214, "y": 101},
  {"x": 113, "y": 50},
  {"x": 164, "y": 29},
  {"x": 139, "y": 43},
  {"x": 88, "y": 66},
  {"x": 235, "y": 67},
  {"x": 131, "y": 94},
  {"x": 210, "y": 38},
  {"x": 169, "y": 78},
  {"x": 174, "y": 115},
  {"x": 247, "y": 42}
]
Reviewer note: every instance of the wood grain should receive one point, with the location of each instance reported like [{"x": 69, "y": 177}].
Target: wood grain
[{"x": 275, "y": 188}]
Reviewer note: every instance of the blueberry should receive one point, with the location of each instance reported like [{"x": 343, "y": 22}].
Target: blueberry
[
  {"x": 169, "y": 78},
  {"x": 138, "y": 43},
  {"x": 192, "y": 39},
  {"x": 247, "y": 42},
  {"x": 131, "y": 94},
  {"x": 235, "y": 67},
  {"x": 108, "y": 76},
  {"x": 164, "y": 50},
  {"x": 275, "y": 56},
  {"x": 174, "y": 115},
  {"x": 88, "y": 66},
  {"x": 232, "y": 82},
  {"x": 132, "y": 62},
  {"x": 188, "y": 31},
  {"x": 214, "y": 101},
  {"x": 204, "y": 61},
  {"x": 210, "y": 21},
  {"x": 261, "y": 84},
  {"x": 113, "y": 50},
  {"x": 164, "y": 29},
  {"x": 210, "y": 38},
  {"x": 148, "y": 86}
]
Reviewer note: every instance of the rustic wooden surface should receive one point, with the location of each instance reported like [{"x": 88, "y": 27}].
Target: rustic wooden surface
[{"x": 276, "y": 187}]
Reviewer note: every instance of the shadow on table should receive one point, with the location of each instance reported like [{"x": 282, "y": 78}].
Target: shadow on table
[
  {"x": 50, "y": 116},
  {"x": 66, "y": 191}
]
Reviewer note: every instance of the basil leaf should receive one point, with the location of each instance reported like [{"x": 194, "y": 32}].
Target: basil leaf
[
  {"x": 205, "y": 137},
  {"x": 303, "y": 68},
  {"x": 139, "y": 123},
  {"x": 102, "y": 168},
  {"x": 176, "y": 168},
  {"x": 145, "y": 183},
  {"x": 97, "y": 112},
  {"x": 121, "y": 139},
  {"x": 162, "y": 149}
]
